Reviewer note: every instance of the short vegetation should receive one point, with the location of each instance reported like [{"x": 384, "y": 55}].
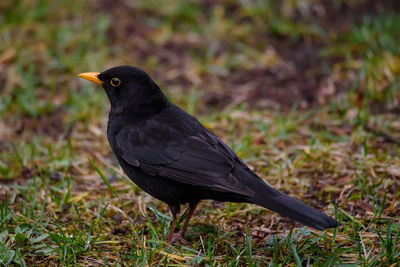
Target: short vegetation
[{"x": 306, "y": 92}]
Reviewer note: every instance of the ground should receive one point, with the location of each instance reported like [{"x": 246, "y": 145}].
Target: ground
[{"x": 306, "y": 92}]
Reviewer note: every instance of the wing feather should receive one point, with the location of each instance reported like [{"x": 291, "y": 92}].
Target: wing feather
[{"x": 190, "y": 160}]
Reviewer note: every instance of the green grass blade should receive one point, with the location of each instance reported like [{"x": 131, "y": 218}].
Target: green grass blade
[{"x": 103, "y": 177}]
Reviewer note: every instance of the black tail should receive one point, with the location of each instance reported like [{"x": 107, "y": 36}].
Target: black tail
[{"x": 274, "y": 200}]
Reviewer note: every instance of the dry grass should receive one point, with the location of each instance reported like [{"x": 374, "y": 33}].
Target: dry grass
[{"x": 311, "y": 107}]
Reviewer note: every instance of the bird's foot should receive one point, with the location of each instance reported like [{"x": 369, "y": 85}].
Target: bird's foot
[{"x": 177, "y": 238}]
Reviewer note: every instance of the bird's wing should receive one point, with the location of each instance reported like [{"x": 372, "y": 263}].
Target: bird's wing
[
  {"x": 222, "y": 148},
  {"x": 163, "y": 151}
]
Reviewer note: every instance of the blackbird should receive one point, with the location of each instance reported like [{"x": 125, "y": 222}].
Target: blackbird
[{"x": 173, "y": 157}]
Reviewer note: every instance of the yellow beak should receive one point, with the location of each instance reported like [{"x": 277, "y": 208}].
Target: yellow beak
[{"x": 91, "y": 76}]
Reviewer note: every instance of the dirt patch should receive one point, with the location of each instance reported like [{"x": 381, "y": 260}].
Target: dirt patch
[
  {"x": 49, "y": 125},
  {"x": 302, "y": 76}
]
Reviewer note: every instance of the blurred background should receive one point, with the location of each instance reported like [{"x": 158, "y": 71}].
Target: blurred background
[
  {"x": 307, "y": 88},
  {"x": 264, "y": 54},
  {"x": 207, "y": 55}
]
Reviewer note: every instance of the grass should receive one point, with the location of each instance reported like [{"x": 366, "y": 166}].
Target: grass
[{"x": 338, "y": 152}]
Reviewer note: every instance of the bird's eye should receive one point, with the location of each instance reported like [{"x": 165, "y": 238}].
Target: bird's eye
[{"x": 115, "y": 82}]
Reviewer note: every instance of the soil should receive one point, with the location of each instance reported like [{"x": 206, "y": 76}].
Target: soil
[{"x": 303, "y": 77}]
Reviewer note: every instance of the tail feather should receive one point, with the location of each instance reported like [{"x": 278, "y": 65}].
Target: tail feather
[{"x": 274, "y": 200}]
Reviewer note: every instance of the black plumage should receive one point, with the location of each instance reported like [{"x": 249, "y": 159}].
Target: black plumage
[{"x": 174, "y": 158}]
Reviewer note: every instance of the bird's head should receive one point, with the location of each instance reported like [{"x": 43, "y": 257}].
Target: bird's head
[{"x": 129, "y": 89}]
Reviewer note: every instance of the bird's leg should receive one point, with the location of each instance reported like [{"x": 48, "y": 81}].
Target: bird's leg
[
  {"x": 182, "y": 232},
  {"x": 174, "y": 210}
]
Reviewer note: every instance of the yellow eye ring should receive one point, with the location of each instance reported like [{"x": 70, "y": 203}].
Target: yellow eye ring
[{"x": 115, "y": 82}]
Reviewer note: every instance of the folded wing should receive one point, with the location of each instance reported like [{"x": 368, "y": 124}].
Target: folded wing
[{"x": 159, "y": 149}]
